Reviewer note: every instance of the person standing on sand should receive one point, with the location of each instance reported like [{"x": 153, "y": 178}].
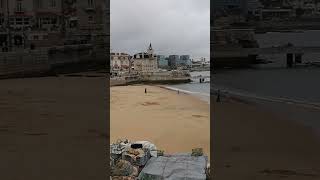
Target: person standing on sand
[
  {"x": 145, "y": 90},
  {"x": 218, "y": 96}
]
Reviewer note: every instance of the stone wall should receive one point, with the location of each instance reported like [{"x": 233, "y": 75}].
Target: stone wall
[
  {"x": 22, "y": 63},
  {"x": 45, "y": 59}
]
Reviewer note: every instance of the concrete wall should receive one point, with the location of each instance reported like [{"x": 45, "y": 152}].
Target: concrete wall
[
  {"x": 27, "y": 62},
  {"x": 152, "y": 78},
  {"x": 44, "y": 59}
]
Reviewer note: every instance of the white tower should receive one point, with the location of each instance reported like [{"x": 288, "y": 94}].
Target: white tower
[{"x": 150, "y": 51}]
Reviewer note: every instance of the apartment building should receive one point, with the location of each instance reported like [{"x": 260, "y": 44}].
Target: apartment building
[
  {"x": 52, "y": 22},
  {"x": 119, "y": 62},
  {"x": 86, "y": 17}
]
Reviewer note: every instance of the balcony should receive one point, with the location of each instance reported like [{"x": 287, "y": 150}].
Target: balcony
[{"x": 90, "y": 9}]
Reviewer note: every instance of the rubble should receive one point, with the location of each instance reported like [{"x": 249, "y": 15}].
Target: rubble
[
  {"x": 197, "y": 152},
  {"x": 138, "y": 157},
  {"x": 142, "y": 160},
  {"x": 124, "y": 168}
]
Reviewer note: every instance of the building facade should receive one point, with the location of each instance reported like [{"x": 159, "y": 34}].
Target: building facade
[
  {"x": 162, "y": 62},
  {"x": 185, "y": 60},
  {"x": 145, "y": 62},
  {"x": 52, "y": 22},
  {"x": 173, "y": 61},
  {"x": 119, "y": 62},
  {"x": 31, "y": 22},
  {"x": 86, "y": 20}
]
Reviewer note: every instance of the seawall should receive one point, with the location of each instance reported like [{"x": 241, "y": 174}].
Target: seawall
[
  {"x": 53, "y": 60},
  {"x": 123, "y": 82}
]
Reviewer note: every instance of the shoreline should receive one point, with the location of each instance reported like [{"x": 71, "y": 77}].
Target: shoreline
[
  {"x": 264, "y": 99},
  {"x": 198, "y": 95},
  {"x": 160, "y": 116}
]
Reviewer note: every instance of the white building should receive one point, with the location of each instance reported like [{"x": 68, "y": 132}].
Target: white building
[
  {"x": 145, "y": 62},
  {"x": 119, "y": 62}
]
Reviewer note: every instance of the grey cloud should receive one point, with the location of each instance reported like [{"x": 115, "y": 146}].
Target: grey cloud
[{"x": 172, "y": 26}]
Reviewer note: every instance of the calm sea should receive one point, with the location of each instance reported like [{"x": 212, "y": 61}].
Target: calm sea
[
  {"x": 201, "y": 90},
  {"x": 286, "y": 88}
]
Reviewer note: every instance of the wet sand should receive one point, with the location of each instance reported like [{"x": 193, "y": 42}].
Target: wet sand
[
  {"x": 173, "y": 122},
  {"x": 251, "y": 143},
  {"x": 53, "y": 128}
]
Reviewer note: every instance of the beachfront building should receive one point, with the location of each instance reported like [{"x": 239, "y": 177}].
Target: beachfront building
[
  {"x": 173, "y": 61},
  {"x": 185, "y": 61},
  {"x": 37, "y": 22},
  {"x": 86, "y": 20},
  {"x": 162, "y": 62},
  {"x": 145, "y": 62},
  {"x": 120, "y": 63},
  {"x": 52, "y": 22}
]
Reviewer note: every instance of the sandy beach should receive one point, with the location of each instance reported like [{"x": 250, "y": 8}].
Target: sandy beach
[
  {"x": 53, "y": 128},
  {"x": 252, "y": 143},
  {"x": 173, "y": 122}
]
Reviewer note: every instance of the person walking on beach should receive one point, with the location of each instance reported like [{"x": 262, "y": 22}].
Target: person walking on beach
[
  {"x": 145, "y": 90},
  {"x": 218, "y": 96},
  {"x": 178, "y": 91}
]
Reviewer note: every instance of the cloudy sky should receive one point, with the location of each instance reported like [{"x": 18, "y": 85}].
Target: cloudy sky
[{"x": 172, "y": 26}]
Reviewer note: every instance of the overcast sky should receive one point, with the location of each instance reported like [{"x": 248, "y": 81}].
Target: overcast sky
[{"x": 172, "y": 26}]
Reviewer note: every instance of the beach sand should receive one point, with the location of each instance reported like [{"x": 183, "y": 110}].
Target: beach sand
[
  {"x": 173, "y": 122},
  {"x": 251, "y": 143},
  {"x": 53, "y": 128}
]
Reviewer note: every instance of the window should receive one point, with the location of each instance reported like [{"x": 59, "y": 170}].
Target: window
[
  {"x": 91, "y": 3},
  {"x": 19, "y": 6},
  {"x": 45, "y": 37},
  {"x": 39, "y": 3},
  {"x": 90, "y": 19},
  {"x": 26, "y": 21},
  {"x": 1, "y": 3},
  {"x": 53, "y": 3},
  {"x": 19, "y": 21},
  {"x": 12, "y": 21},
  {"x": 35, "y": 37},
  {"x": 54, "y": 21}
]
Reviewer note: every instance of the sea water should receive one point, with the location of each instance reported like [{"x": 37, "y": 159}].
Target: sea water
[
  {"x": 195, "y": 88},
  {"x": 292, "y": 92}
]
